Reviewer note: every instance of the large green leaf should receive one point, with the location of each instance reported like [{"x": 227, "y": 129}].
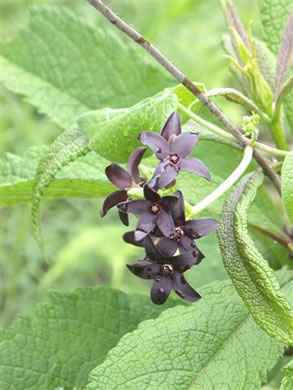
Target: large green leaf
[
  {"x": 274, "y": 14},
  {"x": 83, "y": 178},
  {"x": 66, "y": 338},
  {"x": 65, "y": 67},
  {"x": 214, "y": 344},
  {"x": 113, "y": 133},
  {"x": 253, "y": 279},
  {"x": 287, "y": 185}
]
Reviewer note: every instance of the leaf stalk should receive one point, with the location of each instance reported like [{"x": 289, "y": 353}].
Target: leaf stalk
[
  {"x": 219, "y": 191},
  {"x": 224, "y": 134}
]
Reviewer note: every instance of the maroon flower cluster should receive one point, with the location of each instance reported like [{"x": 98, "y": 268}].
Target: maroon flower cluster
[{"x": 162, "y": 229}]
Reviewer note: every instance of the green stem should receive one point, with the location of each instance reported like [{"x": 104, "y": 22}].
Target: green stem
[
  {"x": 224, "y": 134},
  {"x": 219, "y": 191},
  {"x": 278, "y": 134}
]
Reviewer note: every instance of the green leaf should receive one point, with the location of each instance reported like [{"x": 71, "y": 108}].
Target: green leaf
[
  {"x": 188, "y": 99},
  {"x": 66, "y": 148},
  {"x": 285, "y": 56},
  {"x": 287, "y": 382},
  {"x": 253, "y": 279},
  {"x": 65, "y": 67},
  {"x": 274, "y": 15},
  {"x": 83, "y": 178},
  {"x": 113, "y": 133},
  {"x": 214, "y": 344},
  {"x": 285, "y": 70},
  {"x": 267, "y": 62},
  {"x": 287, "y": 185},
  {"x": 69, "y": 336}
]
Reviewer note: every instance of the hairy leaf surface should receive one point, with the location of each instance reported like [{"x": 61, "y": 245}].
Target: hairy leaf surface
[
  {"x": 113, "y": 133},
  {"x": 66, "y": 148},
  {"x": 274, "y": 16},
  {"x": 253, "y": 279},
  {"x": 285, "y": 57},
  {"x": 210, "y": 345},
  {"x": 69, "y": 336},
  {"x": 65, "y": 67},
  {"x": 83, "y": 178},
  {"x": 287, "y": 185}
]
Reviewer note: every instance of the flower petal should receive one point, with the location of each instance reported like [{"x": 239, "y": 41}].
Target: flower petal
[
  {"x": 161, "y": 288},
  {"x": 186, "y": 244},
  {"x": 150, "y": 194},
  {"x": 183, "y": 289},
  {"x": 156, "y": 142},
  {"x": 112, "y": 200},
  {"x": 197, "y": 228},
  {"x": 118, "y": 176},
  {"x": 133, "y": 163},
  {"x": 146, "y": 223},
  {"x": 172, "y": 126},
  {"x": 152, "y": 252},
  {"x": 169, "y": 202},
  {"x": 165, "y": 224},
  {"x": 166, "y": 176},
  {"x": 184, "y": 143},
  {"x": 124, "y": 218},
  {"x": 136, "y": 207},
  {"x": 167, "y": 246},
  {"x": 156, "y": 175},
  {"x": 186, "y": 260},
  {"x": 195, "y": 166},
  {"x": 178, "y": 211},
  {"x": 144, "y": 269},
  {"x": 130, "y": 238}
]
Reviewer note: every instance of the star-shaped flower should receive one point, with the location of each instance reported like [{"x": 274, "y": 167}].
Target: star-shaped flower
[
  {"x": 123, "y": 179},
  {"x": 153, "y": 211},
  {"x": 185, "y": 231},
  {"x": 166, "y": 272},
  {"x": 172, "y": 147}
]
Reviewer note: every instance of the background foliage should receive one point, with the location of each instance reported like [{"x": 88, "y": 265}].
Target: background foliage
[{"x": 81, "y": 248}]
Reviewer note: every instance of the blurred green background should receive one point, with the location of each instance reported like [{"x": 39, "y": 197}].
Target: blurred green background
[{"x": 82, "y": 248}]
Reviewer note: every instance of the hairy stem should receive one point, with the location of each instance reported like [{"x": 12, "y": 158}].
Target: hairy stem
[
  {"x": 219, "y": 191},
  {"x": 178, "y": 75},
  {"x": 224, "y": 134}
]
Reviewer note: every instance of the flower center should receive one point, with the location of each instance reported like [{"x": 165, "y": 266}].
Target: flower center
[
  {"x": 166, "y": 270},
  {"x": 178, "y": 234},
  {"x": 173, "y": 158},
  {"x": 155, "y": 208}
]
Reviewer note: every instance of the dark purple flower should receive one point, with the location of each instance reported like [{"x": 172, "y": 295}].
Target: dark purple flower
[
  {"x": 185, "y": 231},
  {"x": 153, "y": 211},
  {"x": 172, "y": 147},
  {"x": 166, "y": 272},
  {"x": 136, "y": 237},
  {"x": 123, "y": 179}
]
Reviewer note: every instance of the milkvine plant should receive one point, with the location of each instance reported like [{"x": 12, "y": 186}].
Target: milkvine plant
[{"x": 155, "y": 146}]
